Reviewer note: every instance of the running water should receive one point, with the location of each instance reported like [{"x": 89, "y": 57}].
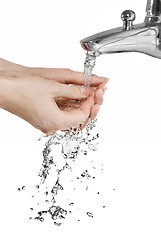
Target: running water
[
  {"x": 73, "y": 141},
  {"x": 89, "y": 65}
]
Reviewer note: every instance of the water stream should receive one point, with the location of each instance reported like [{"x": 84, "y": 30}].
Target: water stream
[{"x": 89, "y": 65}]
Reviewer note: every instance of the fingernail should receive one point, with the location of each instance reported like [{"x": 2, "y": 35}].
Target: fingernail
[
  {"x": 100, "y": 92},
  {"x": 104, "y": 79},
  {"x": 104, "y": 89}
]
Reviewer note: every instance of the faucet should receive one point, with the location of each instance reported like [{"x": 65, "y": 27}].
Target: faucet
[{"x": 144, "y": 37}]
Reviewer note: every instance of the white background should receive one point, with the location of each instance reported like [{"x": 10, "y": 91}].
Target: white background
[{"x": 47, "y": 34}]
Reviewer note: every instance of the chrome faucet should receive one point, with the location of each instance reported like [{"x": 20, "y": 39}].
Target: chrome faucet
[{"x": 144, "y": 37}]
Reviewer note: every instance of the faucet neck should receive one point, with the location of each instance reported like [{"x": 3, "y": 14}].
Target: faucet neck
[{"x": 153, "y": 10}]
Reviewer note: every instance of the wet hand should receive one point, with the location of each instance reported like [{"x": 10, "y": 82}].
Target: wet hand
[
  {"x": 67, "y": 76},
  {"x": 33, "y": 99},
  {"x": 38, "y": 92}
]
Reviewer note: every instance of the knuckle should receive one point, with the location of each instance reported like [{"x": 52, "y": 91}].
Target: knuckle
[
  {"x": 67, "y": 71},
  {"x": 94, "y": 76}
]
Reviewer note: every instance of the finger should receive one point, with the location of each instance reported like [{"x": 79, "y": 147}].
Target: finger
[
  {"x": 79, "y": 79},
  {"x": 103, "y": 86},
  {"x": 99, "y": 96},
  {"x": 72, "y": 91},
  {"x": 77, "y": 116},
  {"x": 94, "y": 112},
  {"x": 68, "y": 76}
]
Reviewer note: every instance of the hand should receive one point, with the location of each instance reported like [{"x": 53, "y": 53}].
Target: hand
[
  {"x": 31, "y": 93},
  {"x": 67, "y": 76}
]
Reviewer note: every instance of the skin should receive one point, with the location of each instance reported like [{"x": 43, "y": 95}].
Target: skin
[{"x": 37, "y": 95}]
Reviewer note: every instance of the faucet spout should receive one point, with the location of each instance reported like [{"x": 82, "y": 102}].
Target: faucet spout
[
  {"x": 153, "y": 10},
  {"x": 144, "y": 37}
]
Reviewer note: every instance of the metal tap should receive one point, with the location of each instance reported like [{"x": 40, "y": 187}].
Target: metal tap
[{"x": 144, "y": 37}]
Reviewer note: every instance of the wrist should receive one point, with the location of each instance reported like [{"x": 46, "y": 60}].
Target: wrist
[
  {"x": 5, "y": 93},
  {"x": 9, "y": 69}
]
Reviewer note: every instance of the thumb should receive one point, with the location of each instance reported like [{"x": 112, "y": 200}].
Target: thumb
[{"x": 73, "y": 91}]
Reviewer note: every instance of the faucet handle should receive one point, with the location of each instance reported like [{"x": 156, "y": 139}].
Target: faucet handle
[{"x": 128, "y": 16}]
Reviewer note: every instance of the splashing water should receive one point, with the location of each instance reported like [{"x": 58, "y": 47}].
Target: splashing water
[{"x": 73, "y": 142}]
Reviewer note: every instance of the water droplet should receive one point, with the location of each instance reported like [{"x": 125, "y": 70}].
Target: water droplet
[
  {"x": 41, "y": 219},
  {"x": 86, "y": 174},
  {"x": 85, "y": 152},
  {"x": 71, "y": 204},
  {"x": 90, "y": 214},
  {"x": 57, "y": 224}
]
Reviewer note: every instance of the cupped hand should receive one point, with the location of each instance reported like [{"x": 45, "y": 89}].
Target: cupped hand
[
  {"x": 67, "y": 76},
  {"x": 51, "y": 99},
  {"x": 33, "y": 99}
]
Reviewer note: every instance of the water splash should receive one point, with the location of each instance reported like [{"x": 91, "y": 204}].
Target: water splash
[
  {"x": 73, "y": 142},
  {"x": 71, "y": 146}
]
